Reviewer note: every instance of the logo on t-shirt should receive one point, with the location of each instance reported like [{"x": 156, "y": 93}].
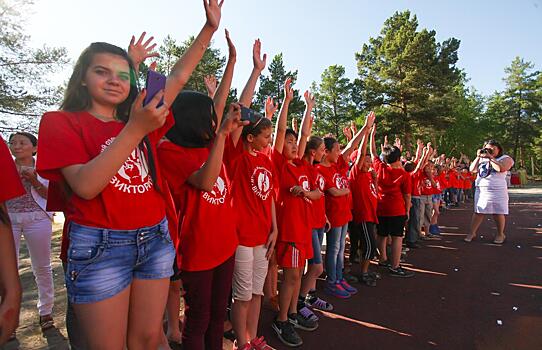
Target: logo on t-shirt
[
  {"x": 304, "y": 182},
  {"x": 320, "y": 182},
  {"x": 260, "y": 182},
  {"x": 133, "y": 175},
  {"x": 218, "y": 194},
  {"x": 340, "y": 181}
]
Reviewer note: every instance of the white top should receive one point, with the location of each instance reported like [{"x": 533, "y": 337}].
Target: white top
[{"x": 490, "y": 178}]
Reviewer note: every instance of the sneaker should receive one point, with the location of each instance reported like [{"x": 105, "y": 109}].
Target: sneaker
[
  {"x": 307, "y": 313},
  {"x": 301, "y": 322},
  {"x": 260, "y": 344},
  {"x": 247, "y": 346},
  {"x": 336, "y": 290},
  {"x": 367, "y": 280},
  {"x": 375, "y": 275},
  {"x": 319, "y": 304},
  {"x": 384, "y": 263},
  {"x": 400, "y": 272},
  {"x": 433, "y": 237},
  {"x": 347, "y": 287},
  {"x": 286, "y": 333},
  {"x": 350, "y": 278}
]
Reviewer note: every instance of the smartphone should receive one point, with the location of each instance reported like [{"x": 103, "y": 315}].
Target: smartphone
[
  {"x": 250, "y": 115},
  {"x": 155, "y": 82}
]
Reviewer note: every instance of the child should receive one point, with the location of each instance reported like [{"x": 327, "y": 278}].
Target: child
[
  {"x": 9, "y": 276},
  {"x": 364, "y": 198},
  {"x": 120, "y": 249},
  {"x": 393, "y": 205},
  {"x": 333, "y": 168},
  {"x": 294, "y": 212}
]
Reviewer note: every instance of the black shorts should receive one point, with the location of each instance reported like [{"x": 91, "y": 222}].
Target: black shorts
[
  {"x": 365, "y": 233},
  {"x": 391, "y": 226}
]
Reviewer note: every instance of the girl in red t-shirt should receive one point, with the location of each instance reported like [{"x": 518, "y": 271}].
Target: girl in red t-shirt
[
  {"x": 10, "y": 187},
  {"x": 333, "y": 168},
  {"x": 120, "y": 250}
]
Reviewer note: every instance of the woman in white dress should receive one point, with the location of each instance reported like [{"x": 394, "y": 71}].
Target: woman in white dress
[{"x": 491, "y": 197}]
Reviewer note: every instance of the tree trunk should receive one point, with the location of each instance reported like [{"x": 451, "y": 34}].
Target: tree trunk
[{"x": 516, "y": 143}]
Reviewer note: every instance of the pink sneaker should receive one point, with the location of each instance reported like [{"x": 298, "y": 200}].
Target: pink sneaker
[
  {"x": 260, "y": 344},
  {"x": 337, "y": 290},
  {"x": 348, "y": 287}
]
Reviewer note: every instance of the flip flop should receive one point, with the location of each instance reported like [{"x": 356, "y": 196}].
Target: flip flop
[
  {"x": 495, "y": 241},
  {"x": 46, "y": 322},
  {"x": 466, "y": 240}
]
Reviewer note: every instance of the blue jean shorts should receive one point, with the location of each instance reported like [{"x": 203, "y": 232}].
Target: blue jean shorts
[
  {"x": 437, "y": 198},
  {"x": 102, "y": 262}
]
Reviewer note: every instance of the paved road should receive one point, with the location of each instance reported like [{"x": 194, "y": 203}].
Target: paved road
[{"x": 464, "y": 296}]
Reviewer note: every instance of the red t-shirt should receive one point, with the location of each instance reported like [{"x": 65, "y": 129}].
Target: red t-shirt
[
  {"x": 294, "y": 214},
  {"x": 338, "y": 209},
  {"x": 442, "y": 181},
  {"x": 364, "y": 196},
  {"x": 318, "y": 206},
  {"x": 130, "y": 199},
  {"x": 467, "y": 183},
  {"x": 454, "y": 181},
  {"x": 253, "y": 184},
  {"x": 415, "y": 182},
  {"x": 426, "y": 186},
  {"x": 9, "y": 177},
  {"x": 392, "y": 184},
  {"x": 207, "y": 221}
]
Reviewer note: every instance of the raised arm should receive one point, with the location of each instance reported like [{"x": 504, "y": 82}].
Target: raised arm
[
  {"x": 282, "y": 120},
  {"x": 306, "y": 124},
  {"x": 140, "y": 50},
  {"x": 248, "y": 91},
  {"x": 184, "y": 67},
  {"x": 271, "y": 107},
  {"x": 362, "y": 150},
  {"x": 210, "y": 85},
  {"x": 347, "y": 151},
  {"x": 205, "y": 177},
  {"x": 373, "y": 142},
  {"x": 224, "y": 88},
  {"x": 419, "y": 148}
]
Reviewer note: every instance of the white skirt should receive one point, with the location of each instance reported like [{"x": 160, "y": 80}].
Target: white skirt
[{"x": 491, "y": 200}]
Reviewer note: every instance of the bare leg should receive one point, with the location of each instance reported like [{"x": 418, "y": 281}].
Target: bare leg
[
  {"x": 287, "y": 289},
  {"x": 501, "y": 222},
  {"x": 474, "y": 225},
  {"x": 365, "y": 265},
  {"x": 145, "y": 317},
  {"x": 240, "y": 311},
  {"x": 253, "y": 316},
  {"x": 173, "y": 306},
  {"x": 309, "y": 280},
  {"x": 295, "y": 294},
  {"x": 396, "y": 246},
  {"x": 382, "y": 243}
]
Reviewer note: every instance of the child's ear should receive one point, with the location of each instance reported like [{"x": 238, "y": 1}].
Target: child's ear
[{"x": 250, "y": 138}]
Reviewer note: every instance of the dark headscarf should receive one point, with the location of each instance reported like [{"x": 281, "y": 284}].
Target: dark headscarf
[{"x": 195, "y": 120}]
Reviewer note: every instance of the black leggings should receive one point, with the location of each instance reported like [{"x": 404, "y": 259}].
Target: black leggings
[{"x": 362, "y": 234}]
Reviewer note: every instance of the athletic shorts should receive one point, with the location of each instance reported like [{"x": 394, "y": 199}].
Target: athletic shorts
[
  {"x": 365, "y": 232},
  {"x": 291, "y": 255},
  {"x": 249, "y": 272},
  {"x": 391, "y": 226}
]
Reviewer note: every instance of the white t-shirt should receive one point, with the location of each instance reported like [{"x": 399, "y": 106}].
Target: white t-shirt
[{"x": 489, "y": 177}]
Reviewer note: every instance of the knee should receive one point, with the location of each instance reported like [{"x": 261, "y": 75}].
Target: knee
[{"x": 144, "y": 338}]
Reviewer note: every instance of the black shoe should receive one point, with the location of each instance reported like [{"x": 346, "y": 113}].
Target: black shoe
[
  {"x": 367, "y": 280},
  {"x": 304, "y": 320},
  {"x": 412, "y": 245},
  {"x": 384, "y": 263},
  {"x": 400, "y": 272},
  {"x": 286, "y": 333}
]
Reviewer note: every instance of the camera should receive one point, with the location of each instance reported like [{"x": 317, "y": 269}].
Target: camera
[{"x": 486, "y": 151}]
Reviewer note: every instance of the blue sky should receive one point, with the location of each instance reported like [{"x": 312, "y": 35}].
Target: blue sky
[{"x": 311, "y": 34}]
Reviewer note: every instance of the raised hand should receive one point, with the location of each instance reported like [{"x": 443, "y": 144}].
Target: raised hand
[
  {"x": 210, "y": 84},
  {"x": 232, "y": 121},
  {"x": 288, "y": 90},
  {"x": 213, "y": 13},
  {"x": 347, "y": 131},
  {"x": 295, "y": 125},
  {"x": 370, "y": 119},
  {"x": 270, "y": 107},
  {"x": 353, "y": 128},
  {"x": 140, "y": 50},
  {"x": 232, "y": 52},
  {"x": 258, "y": 60},
  {"x": 398, "y": 144},
  {"x": 310, "y": 100}
]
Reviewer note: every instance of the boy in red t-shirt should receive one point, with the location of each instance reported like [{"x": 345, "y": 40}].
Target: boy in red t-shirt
[
  {"x": 364, "y": 200},
  {"x": 393, "y": 204},
  {"x": 294, "y": 214}
]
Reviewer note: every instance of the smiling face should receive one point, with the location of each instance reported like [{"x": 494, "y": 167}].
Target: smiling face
[
  {"x": 21, "y": 147},
  {"x": 107, "y": 79},
  {"x": 333, "y": 155}
]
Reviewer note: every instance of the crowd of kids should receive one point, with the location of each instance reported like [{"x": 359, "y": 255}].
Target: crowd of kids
[{"x": 183, "y": 193}]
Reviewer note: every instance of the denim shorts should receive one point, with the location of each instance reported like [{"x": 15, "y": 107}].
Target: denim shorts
[
  {"x": 317, "y": 240},
  {"x": 437, "y": 198},
  {"x": 102, "y": 262}
]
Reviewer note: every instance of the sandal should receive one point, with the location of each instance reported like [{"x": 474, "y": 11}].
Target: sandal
[
  {"x": 468, "y": 240},
  {"x": 496, "y": 241},
  {"x": 46, "y": 322}
]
